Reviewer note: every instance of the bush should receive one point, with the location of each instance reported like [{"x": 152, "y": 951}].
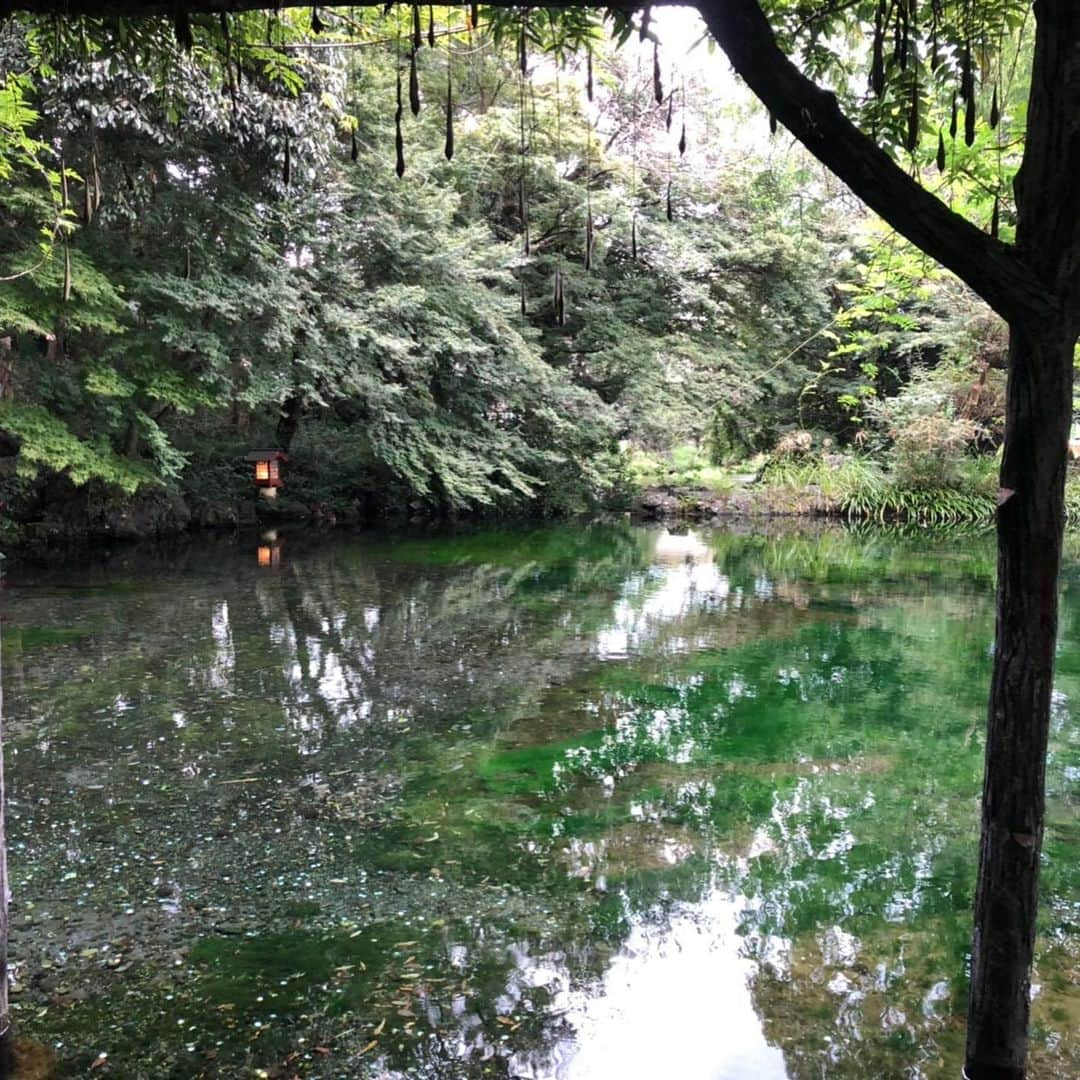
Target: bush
[
  {"x": 685, "y": 466},
  {"x": 929, "y": 451},
  {"x": 860, "y": 489}
]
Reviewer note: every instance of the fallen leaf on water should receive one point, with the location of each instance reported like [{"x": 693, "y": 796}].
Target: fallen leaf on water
[
  {"x": 379, "y": 1029},
  {"x": 99, "y": 1061},
  {"x": 370, "y": 1046}
]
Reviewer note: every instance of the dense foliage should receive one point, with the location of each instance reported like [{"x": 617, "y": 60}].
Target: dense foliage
[{"x": 215, "y": 253}]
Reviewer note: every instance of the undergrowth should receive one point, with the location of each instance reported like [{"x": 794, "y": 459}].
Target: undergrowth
[{"x": 862, "y": 489}]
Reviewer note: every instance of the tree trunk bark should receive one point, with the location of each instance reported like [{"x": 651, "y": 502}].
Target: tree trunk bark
[
  {"x": 1031, "y": 518},
  {"x": 289, "y": 422}
]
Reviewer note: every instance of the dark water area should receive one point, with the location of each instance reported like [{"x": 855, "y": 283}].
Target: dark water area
[{"x": 576, "y": 802}]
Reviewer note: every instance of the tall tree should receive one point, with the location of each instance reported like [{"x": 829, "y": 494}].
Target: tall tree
[{"x": 780, "y": 48}]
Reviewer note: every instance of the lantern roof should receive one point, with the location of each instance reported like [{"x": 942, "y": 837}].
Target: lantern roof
[{"x": 266, "y": 455}]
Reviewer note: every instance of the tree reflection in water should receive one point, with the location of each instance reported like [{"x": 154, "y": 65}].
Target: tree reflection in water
[{"x": 544, "y": 803}]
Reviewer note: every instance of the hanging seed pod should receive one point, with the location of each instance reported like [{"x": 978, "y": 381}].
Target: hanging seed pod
[
  {"x": 941, "y": 152},
  {"x": 588, "y": 74},
  {"x": 995, "y": 218},
  {"x": 670, "y": 109},
  {"x": 523, "y": 212},
  {"x": 399, "y": 142},
  {"x": 877, "y": 62},
  {"x": 431, "y": 27},
  {"x": 559, "y": 299},
  {"x": 317, "y": 25},
  {"x": 657, "y": 83},
  {"x": 448, "y": 149},
  {"x": 773, "y": 124},
  {"x": 88, "y": 202},
  {"x": 474, "y": 15},
  {"x": 646, "y": 19},
  {"x": 913, "y": 118},
  {"x": 633, "y": 238},
  {"x": 354, "y": 150},
  {"x": 65, "y": 292},
  {"x": 187, "y": 262},
  {"x": 286, "y": 172},
  {"x": 414, "y": 86},
  {"x": 182, "y": 28},
  {"x": 967, "y": 76},
  {"x": 523, "y": 49},
  {"x": 682, "y": 140},
  {"x": 524, "y": 306},
  {"x": 95, "y": 172},
  {"x": 670, "y": 215},
  {"x": 588, "y": 241},
  {"x": 969, "y": 121},
  {"x": 63, "y": 184},
  {"x": 952, "y": 120},
  {"x": 995, "y": 110},
  {"x": 417, "y": 33}
]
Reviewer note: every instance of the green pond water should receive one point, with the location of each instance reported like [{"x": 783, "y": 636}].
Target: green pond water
[{"x": 579, "y": 802}]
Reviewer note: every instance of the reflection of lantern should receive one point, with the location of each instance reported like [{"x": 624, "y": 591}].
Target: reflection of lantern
[
  {"x": 267, "y": 470},
  {"x": 269, "y": 553}
]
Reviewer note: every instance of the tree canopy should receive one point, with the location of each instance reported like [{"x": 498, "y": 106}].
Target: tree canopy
[{"x": 899, "y": 100}]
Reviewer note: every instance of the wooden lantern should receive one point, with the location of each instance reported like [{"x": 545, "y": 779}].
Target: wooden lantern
[{"x": 267, "y": 465}]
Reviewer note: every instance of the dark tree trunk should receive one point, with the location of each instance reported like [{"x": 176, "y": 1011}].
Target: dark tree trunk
[
  {"x": 1030, "y": 526},
  {"x": 289, "y": 423},
  {"x": 131, "y": 440}
]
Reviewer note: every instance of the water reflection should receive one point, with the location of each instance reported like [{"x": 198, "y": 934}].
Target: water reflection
[
  {"x": 675, "y": 1001},
  {"x": 553, "y": 803}
]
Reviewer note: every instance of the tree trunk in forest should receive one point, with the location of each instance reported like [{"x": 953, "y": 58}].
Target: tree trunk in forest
[
  {"x": 289, "y": 423},
  {"x": 1030, "y": 526},
  {"x": 1031, "y": 520}
]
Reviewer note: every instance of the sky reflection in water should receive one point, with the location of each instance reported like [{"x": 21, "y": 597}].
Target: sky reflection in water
[{"x": 573, "y": 803}]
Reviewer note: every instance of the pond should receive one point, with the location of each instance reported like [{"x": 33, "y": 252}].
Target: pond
[{"x": 571, "y": 802}]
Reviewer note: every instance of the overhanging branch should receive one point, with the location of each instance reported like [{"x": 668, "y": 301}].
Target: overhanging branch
[{"x": 993, "y": 269}]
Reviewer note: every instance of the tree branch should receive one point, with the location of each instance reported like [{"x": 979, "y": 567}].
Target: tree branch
[
  {"x": 993, "y": 269},
  {"x": 996, "y": 271}
]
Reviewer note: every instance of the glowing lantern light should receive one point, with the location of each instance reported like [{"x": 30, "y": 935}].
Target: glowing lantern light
[{"x": 267, "y": 470}]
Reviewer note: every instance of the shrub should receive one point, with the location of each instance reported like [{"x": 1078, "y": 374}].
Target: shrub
[{"x": 929, "y": 450}]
